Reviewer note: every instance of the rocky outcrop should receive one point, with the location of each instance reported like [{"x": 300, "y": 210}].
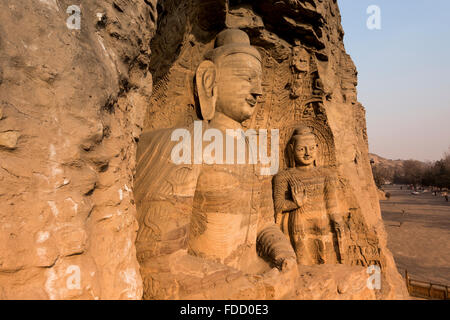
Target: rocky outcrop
[{"x": 73, "y": 104}]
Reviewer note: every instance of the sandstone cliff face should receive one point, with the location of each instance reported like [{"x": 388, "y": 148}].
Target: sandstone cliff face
[{"x": 73, "y": 104}]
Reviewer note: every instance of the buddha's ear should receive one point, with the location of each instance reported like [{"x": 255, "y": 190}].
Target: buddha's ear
[{"x": 207, "y": 89}]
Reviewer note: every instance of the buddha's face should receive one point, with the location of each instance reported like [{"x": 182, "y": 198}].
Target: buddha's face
[
  {"x": 305, "y": 150},
  {"x": 239, "y": 86}
]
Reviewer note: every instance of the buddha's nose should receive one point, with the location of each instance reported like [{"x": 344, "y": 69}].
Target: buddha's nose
[{"x": 256, "y": 90}]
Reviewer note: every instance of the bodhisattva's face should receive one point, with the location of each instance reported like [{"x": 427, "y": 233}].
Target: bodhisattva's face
[
  {"x": 239, "y": 86},
  {"x": 305, "y": 150}
]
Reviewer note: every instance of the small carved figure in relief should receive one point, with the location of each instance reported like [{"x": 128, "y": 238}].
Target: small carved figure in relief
[
  {"x": 300, "y": 59},
  {"x": 318, "y": 87},
  {"x": 306, "y": 203},
  {"x": 300, "y": 65}
]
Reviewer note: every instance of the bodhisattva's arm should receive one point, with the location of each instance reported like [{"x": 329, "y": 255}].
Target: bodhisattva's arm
[
  {"x": 335, "y": 216},
  {"x": 330, "y": 194},
  {"x": 282, "y": 195}
]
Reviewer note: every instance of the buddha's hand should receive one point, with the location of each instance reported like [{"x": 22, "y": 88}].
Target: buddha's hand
[
  {"x": 299, "y": 195},
  {"x": 288, "y": 264}
]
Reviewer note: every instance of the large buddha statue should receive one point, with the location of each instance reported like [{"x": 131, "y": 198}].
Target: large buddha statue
[
  {"x": 306, "y": 204},
  {"x": 209, "y": 209}
]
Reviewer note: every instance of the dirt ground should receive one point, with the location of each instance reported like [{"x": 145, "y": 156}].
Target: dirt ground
[{"x": 421, "y": 244}]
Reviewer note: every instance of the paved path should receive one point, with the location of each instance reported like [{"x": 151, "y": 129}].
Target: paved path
[{"x": 422, "y": 243}]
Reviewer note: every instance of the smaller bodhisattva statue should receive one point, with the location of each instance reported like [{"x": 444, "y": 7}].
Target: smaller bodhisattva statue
[{"x": 306, "y": 206}]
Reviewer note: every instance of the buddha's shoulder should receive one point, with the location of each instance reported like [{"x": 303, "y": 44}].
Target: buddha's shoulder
[
  {"x": 159, "y": 141},
  {"x": 329, "y": 174},
  {"x": 150, "y": 135},
  {"x": 284, "y": 174}
]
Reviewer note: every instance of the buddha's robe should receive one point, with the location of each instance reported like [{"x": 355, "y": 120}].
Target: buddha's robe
[{"x": 209, "y": 210}]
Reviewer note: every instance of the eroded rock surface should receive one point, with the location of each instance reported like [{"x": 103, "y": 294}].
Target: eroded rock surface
[{"x": 72, "y": 105}]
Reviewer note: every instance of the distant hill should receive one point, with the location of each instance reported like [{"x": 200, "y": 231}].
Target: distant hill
[
  {"x": 383, "y": 162},
  {"x": 413, "y": 172}
]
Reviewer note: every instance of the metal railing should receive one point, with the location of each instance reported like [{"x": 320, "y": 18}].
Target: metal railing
[{"x": 426, "y": 290}]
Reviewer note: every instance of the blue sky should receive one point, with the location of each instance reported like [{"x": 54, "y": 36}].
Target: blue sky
[{"x": 404, "y": 75}]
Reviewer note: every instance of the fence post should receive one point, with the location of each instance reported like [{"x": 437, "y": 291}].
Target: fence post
[{"x": 407, "y": 282}]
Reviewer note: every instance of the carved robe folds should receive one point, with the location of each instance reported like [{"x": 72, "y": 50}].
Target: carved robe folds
[
  {"x": 224, "y": 218},
  {"x": 209, "y": 210},
  {"x": 314, "y": 228}
]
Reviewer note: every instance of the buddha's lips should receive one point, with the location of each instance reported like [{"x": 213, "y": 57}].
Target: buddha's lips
[{"x": 251, "y": 102}]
